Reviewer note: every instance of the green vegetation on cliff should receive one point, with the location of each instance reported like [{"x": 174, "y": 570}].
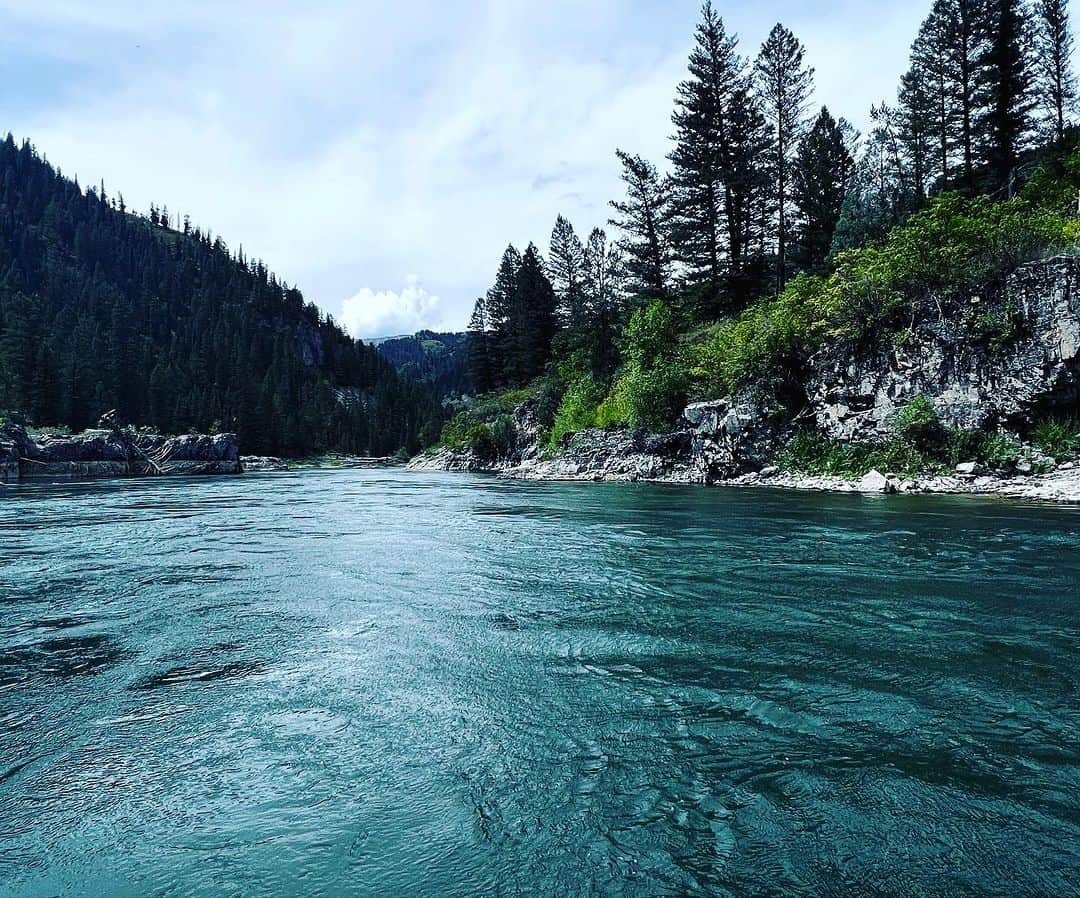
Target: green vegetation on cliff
[{"x": 777, "y": 231}]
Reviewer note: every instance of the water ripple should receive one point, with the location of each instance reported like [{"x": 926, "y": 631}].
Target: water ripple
[{"x": 369, "y": 682}]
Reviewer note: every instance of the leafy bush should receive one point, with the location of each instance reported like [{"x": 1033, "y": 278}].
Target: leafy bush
[
  {"x": 1059, "y": 439},
  {"x": 918, "y": 423},
  {"x": 480, "y": 442},
  {"x": 652, "y": 390},
  {"x": 577, "y": 410},
  {"x": 815, "y": 454},
  {"x": 502, "y": 435},
  {"x": 616, "y": 410}
]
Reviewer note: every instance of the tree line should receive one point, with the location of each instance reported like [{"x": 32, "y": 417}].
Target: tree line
[
  {"x": 761, "y": 185},
  {"x": 103, "y": 309}
]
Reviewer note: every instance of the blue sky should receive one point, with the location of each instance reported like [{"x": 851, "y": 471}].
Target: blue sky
[{"x": 381, "y": 155}]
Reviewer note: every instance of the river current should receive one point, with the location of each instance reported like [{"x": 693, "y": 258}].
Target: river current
[{"x": 384, "y": 683}]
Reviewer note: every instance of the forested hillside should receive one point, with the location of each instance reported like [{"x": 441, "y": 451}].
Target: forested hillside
[
  {"x": 774, "y": 229},
  {"x": 104, "y": 309},
  {"x": 431, "y": 358}
]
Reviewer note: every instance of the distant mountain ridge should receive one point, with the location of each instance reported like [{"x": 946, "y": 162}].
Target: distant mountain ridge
[{"x": 436, "y": 359}]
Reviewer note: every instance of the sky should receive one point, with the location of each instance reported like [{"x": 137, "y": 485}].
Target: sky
[{"x": 380, "y": 156}]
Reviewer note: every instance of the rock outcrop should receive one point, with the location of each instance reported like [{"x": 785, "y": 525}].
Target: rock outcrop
[
  {"x": 988, "y": 362},
  {"x": 734, "y": 436},
  {"x": 113, "y": 453}
]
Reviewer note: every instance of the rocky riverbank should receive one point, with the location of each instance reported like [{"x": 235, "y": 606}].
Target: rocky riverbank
[
  {"x": 596, "y": 456},
  {"x": 965, "y": 389},
  {"x": 113, "y": 452}
]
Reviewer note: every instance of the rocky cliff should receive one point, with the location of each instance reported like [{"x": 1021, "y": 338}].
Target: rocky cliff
[
  {"x": 113, "y": 453},
  {"x": 1000, "y": 361}
]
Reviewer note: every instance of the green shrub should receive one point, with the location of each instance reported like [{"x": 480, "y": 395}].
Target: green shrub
[
  {"x": 615, "y": 410},
  {"x": 480, "y": 442},
  {"x": 1060, "y": 439},
  {"x": 999, "y": 450},
  {"x": 654, "y": 398},
  {"x": 577, "y": 410},
  {"x": 502, "y": 435},
  {"x": 918, "y": 423},
  {"x": 652, "y": 389},
  {"x": 815, "y": 454}
]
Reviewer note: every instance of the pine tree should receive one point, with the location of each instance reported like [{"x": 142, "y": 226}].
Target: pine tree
[
  {"x": 478, "y": 357},
  {"x": 915, "y": 118},
  {"x": 499, "y": 310},
  {"x": 819, "y": 185},
  {"x": 533, "y": 319},
  {"x": 566, "y": 267},
  {"x": 644, "y": 219},
  {"x": 1056, "y": 83},
  {"x": 1004, "y": 81},
  {"x": 965, "y": 23},
  {"x": 933, "y": 72},
  {"x": 701, "y": 181},
  {"x": 784, "y": 83},
  {"x": 748, "y": 188},
  {"x": 603, "y": 289},
  {"x": 880, "y": 193}
]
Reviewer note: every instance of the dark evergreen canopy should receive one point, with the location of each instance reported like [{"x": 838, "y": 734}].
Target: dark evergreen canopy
[{"x": 101, "y": 309}]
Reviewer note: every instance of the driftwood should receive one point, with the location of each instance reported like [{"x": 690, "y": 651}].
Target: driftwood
[{"x": 111, "y": 421}]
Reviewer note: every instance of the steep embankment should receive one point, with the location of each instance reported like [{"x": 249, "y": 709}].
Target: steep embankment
[{"x": 974, "y": 406}]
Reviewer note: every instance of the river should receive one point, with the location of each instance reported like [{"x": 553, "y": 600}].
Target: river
[{"x": 383, "y": 683}]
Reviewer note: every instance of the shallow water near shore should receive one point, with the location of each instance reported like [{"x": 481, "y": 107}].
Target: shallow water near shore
[{"x": 382, "y": 682}]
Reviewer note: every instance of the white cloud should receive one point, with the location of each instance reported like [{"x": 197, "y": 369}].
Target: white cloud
[{"x": 384, "y": 313}]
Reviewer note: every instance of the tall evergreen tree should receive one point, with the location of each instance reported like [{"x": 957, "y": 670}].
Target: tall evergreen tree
[
  {"x": 534, "y": 312},
  {"x": 1004, "y": 81},
  {"x": 965, "y": 22},
  {"x": 603, "y": 289},
  {"x": 1056, "y": 83},
  {"x": 478, "y": 350},
  {"x": 643, "y": 220},
  {"x": 916, "y": 111},
  {"x": 701, "y": 160},
  {"x": 931, "y": 78},
  {"x": 566, "y": 267},
  {"x": 880, "y": 194},
  {"x": 784, "y": 83},
  {"x": 499, "y": 313},
  {"x": 819, "y": 184}
]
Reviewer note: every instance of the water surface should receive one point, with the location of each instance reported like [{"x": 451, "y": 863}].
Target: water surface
[{"x": 384, "y": 683}]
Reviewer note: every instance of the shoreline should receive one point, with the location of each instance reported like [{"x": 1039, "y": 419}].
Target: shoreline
[{"x": 1060, "y": 486}]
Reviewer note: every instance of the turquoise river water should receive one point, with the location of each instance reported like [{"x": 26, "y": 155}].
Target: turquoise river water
[{"x": 382, "y": 683}]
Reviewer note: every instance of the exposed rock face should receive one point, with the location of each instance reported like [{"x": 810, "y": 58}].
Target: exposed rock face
[
  {"x": 618, "y": 455},
  {"x": 114, "y": 453},
  {"x": 733, "y": 436},
  {"x": 973, "y": 384},
  {"x": 592, "y": 454}
]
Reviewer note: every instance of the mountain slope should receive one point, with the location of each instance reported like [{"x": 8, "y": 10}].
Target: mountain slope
[
  {"x": 101, "y": 309},
  {"x": 432, "y": 358}
]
